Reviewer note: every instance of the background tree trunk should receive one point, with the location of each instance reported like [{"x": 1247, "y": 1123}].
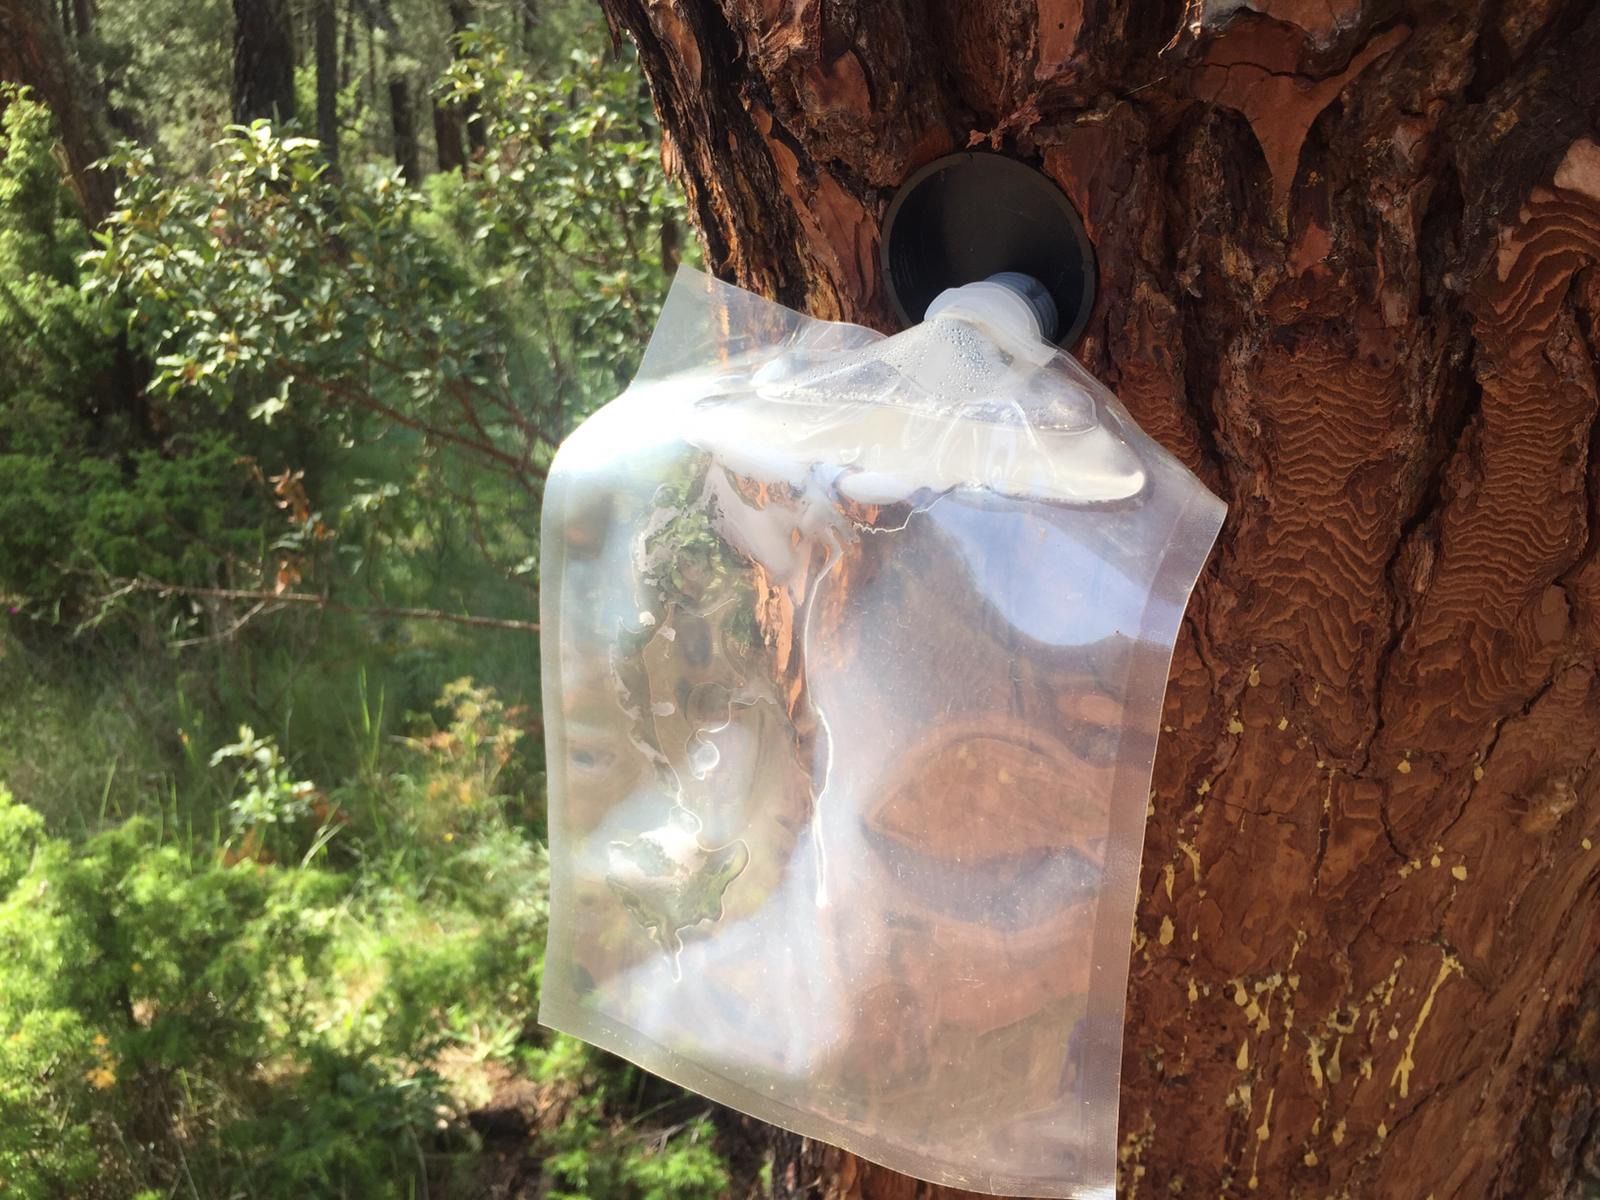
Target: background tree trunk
[
  {"x": 462, "y": 15},
  {"x": 1348, "y": 273},
  {"x": 403, "y": 127},
  {"x": 263, "y": 61},
  {"x": 32, "y": 53},
  {"x": 450, "y": 151},
  {"x": 449, "y": 121},
  {"x": 402, "y": 109},
  {"x": 325, "y": 34}
]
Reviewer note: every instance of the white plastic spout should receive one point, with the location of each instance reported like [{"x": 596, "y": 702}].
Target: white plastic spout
[
  {"x": 1015, "y": 308},
  {"x": 1038, "y": 296},
  {"x": 1017, "y": 302},
  {"x": 1012, "y": 308}
]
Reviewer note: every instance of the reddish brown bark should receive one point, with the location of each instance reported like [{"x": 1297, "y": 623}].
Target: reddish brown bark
[{"x": 1348, "y": 272}]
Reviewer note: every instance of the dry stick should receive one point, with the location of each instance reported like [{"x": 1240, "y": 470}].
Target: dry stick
[
  {"x": 313, "y": 600},
  {"x": 227, "y": 634}
]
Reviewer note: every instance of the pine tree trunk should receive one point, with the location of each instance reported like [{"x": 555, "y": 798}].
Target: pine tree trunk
[
  {"x": 527, "y": 21},
  {"x": 1347, "y": 259},
  {"x": 325, "y": 35},
  {"x": 403, "y": 128},
  {"x": 347, "y": 60},
  {"x": 33, "y": 53},
  {"x": 372, "y": 61},
  {"x": 449, "y": 149},
  {"x": 263, "y": 61},
  {"x": 402, "y": 110},
  {"x": 448, "y": 122},
  {"x": 461, "y": 19}
]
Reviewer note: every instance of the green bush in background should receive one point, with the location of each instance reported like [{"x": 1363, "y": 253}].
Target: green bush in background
[
  {"x": 89, "y": 488},
  {"x": 272, "y": 879},
  {"x": 304, "y": 1007}
]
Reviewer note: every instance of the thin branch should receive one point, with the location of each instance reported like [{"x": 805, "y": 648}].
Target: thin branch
[
  {"x": 518, "y": 468},
  {"x": 314, "y": 600},
  {"x": 224, "y": 635}
]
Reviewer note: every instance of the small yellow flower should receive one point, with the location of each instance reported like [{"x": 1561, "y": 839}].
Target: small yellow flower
[
  {"x": 101, "y": 1041},
  {"x": 135, "y": 968},
  {"x": 100, "y": 1078},
  {"x": 449, "y": 837}
]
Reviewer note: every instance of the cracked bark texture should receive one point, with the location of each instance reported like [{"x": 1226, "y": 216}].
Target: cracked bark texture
[{"x": 1348, "y": 272}]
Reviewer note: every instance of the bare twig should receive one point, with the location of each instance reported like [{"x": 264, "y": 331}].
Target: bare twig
[{"x": 224, "y": 635}]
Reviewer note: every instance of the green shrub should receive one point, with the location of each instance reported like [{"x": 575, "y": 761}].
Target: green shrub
[
  {"x": 269, "y": 1030},
  {"x": 253, "y": 988},
  {"x": 314, "y": 303},
  {"x": 570, "y": 205},
  {"x": 49, "y": 1054},
  {"x": 21, "y": 835},
  {"x": 135, "y": 976},
  {"x": 53, "y": 349},
  {"x": 681, "y": 1167},
  {"x": 597, "y": 1153},
  {"x": 593, "y": 1162},
  {"x": 266, "y": 1029},
  {"x": 460, "y": 329},
  {"x": 469, "y": 773},
  {"x": 345, "y": 1127},
  {"x": 453, "y": 889},
  {"x": 94, "y": 480}
]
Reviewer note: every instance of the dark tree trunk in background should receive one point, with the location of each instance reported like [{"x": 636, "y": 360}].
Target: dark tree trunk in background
[
  {"x": 347, "y": 60},
  {"x": 402, "y": 108},
  {"x": 367, "y": 97},
  {"x": 448, "y": 121},
  {"x": 451, "y": 152},
  {"x": 461, "y": 18},
  {"x": 403, "y": 124},
  {"x": 263, "y": 61},
  {"x": 32, "y": 53},
  {"x": 1348, "y": 272},
  {"x": 528, "y": 12},
  {"x": 325, "y": 33}
]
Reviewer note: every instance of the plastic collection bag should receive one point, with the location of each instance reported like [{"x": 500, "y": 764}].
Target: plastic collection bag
[{"x": 854, "y": 652}]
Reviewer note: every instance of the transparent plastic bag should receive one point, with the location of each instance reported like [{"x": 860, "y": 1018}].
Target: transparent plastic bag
[{"x": 854, "y": 652}]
